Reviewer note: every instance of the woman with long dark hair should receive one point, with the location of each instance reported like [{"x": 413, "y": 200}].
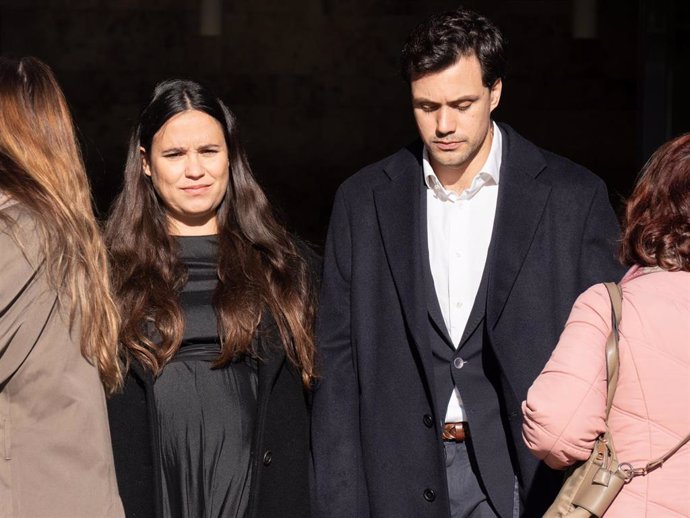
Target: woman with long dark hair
[
  {"x": 58, "y": 322},
  {"x": 565, "y": 409},
  {"x": 217, "y": 324}
]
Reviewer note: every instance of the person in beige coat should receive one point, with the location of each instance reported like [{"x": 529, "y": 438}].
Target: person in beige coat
[
  {"x": 565, "y": 407},
  {"x": 58, "y": 324}
]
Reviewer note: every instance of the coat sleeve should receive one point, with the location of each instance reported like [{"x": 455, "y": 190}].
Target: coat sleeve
[
  {"x": 566, "y": 404},
  {"x": 598, "y": 262},
  {"x": 339, "y": 486},
  {"x": 20, "y": 323}
]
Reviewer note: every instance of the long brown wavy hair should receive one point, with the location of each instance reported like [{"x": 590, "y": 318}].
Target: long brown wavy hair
[
  {"x": 656, "y": 227},
  {"x": 41, "y": 168},
  {"x": 259, "y": 267}
]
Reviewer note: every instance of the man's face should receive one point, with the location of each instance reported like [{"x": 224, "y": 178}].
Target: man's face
[{"x": 452, "y": 109}]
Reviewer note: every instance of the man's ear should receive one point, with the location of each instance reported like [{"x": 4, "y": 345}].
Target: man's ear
[
  {"x": 145, "y": 166},
  {"x": 495, "y": 94}
]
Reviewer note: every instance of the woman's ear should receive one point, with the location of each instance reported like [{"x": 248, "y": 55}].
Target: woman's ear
[{"x": 145, "y": 166}]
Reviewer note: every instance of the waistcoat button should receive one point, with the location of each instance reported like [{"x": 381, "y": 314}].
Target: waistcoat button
[{"x": 429, "y": 495}]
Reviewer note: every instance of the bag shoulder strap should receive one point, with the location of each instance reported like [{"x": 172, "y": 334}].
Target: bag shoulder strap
[
  {"x": 612, "y": 362},
  {"x": 612, "y": 365},
  {"x": 657, "y": 463}
]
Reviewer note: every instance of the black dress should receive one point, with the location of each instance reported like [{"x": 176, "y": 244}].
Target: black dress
[
  {"x": 279, "y": 486},
  {"x": 206, "y": 416}
]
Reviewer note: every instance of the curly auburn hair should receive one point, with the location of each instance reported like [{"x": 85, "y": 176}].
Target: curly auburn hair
[{"x": 657, "y": 217}]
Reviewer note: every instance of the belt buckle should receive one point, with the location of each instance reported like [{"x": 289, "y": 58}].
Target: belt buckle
[{"x": 456, "y": 432}]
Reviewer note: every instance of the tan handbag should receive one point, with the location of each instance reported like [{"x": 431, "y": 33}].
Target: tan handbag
[{"x": 591, "y": 486}]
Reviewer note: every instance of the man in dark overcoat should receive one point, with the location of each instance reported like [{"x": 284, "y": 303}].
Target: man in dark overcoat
[{"x": 450, "y": 269}]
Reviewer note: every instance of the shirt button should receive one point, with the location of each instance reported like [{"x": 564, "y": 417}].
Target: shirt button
[
  {"x": 429, "y": 495},
  {"x": 458, "y": 254},
  {"x": 458, "y": 305},
  {"x": 459, "y": 363}
]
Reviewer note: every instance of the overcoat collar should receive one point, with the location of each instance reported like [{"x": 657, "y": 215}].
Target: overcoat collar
[
  {"x": 399, "y": 206},
  {"x": 521, "y": 202},
  {"x": 399, "y": 211}
]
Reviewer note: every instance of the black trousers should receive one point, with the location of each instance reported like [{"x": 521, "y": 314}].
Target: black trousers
[{"x": 467, "y": 499}]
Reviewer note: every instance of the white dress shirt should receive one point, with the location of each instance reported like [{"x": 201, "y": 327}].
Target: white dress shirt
[{"x": 459, "y": 230}]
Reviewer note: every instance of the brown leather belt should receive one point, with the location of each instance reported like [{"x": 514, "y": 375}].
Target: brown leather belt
[{"x": 454, "y": 432}]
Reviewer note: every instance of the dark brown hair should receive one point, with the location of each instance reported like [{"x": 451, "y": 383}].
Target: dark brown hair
[
  {"x": 440, "y": 40},
  {"x": 656, "y": 229},
  {"x": 41, "y": 168},
  {"x": 259, "y": 267}
]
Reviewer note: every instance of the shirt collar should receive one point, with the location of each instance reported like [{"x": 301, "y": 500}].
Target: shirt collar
[{"x": 488, "y": 174}]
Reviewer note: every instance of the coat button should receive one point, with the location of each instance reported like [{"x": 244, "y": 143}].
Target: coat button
[
  {"x": 429, "y": 495},
  {"x": 428, "y": 421},
  {"x": 459, "y": 363},
  {"x": 268, "y": 457}
]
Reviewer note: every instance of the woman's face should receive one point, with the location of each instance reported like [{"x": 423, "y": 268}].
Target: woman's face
[{"x": 189, "y": 167}]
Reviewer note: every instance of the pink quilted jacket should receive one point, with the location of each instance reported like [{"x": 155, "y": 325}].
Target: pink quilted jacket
[{"x": 565, "y": 406}]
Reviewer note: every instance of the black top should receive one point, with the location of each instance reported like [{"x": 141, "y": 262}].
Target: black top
[
  {"x": 206, "y": 415},
  {"x": 279, "y": 486},
  {"x": 200, "y": 339}
]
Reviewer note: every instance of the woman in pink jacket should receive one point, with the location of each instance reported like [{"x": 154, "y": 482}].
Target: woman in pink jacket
[{"x": 565, "y": 407}]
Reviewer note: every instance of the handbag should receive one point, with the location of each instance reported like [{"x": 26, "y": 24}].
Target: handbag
[{"x": 591, "y": 486}]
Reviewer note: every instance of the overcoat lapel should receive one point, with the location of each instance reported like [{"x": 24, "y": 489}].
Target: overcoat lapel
[
  {"x": 399, "y": 210},
  {"x": 147, "y": 381},
  {"x": 272, "y": 356},
  {"x": 521, "y": 202},
  {"x": 271, "y": 360},
  {"x": 433, "y": 307}
]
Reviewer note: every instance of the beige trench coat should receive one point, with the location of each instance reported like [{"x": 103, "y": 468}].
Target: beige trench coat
[{"x": 56, "y": 459}]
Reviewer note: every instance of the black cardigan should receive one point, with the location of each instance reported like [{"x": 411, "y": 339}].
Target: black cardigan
[{"x": 280, "y": 453}]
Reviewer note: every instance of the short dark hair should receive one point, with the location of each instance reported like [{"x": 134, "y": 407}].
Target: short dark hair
[
  {"x": 442, "y": 39},
  {"x": 656, "y": 227}
]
